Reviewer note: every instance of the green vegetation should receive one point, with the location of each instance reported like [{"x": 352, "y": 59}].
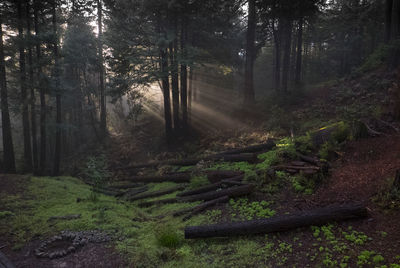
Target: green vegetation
[
  {"x": 242, "y": 209},
  {"x": 198, "y": 181}
]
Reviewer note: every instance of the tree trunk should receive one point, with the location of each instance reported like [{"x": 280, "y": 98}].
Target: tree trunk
[
  {"x": 57, "y": 149},
  {"x": 250, "y": 55},
  {"x": 388, "y": 20},
  {"x": 184, "y": 74},
  {"x": 190, "y": 93},
  {"x": 24, "y": 99},
  {"x": 166, "y": 94},
  {"x": 103, "y": 111},
  {"x": 8, "y": 147},
  {"x": 42, "y": 158},
  {"x": 395, "y": 22},
  {"x": 174, "y": 82},
  {"x": 205, "y": 205},
  {"x": 32, "y": 91},
  {"x": 286, "y": 56},
  {"x": 278, "y": 224},
  {"x": 278, "y": 45},
  {"x": 299, "y": 52}
]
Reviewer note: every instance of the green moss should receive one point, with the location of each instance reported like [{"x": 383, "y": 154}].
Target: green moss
[
  {"x": 198, "y": 181},
  {"x": 6, "y": 214}
]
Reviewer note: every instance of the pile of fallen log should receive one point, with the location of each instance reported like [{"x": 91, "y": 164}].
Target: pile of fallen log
[
  {"x": 277, "y": 224},
  {"x": 248, "y": 154}
]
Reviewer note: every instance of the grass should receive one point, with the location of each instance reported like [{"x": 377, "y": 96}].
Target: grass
[{"x": 150, "y": 242}]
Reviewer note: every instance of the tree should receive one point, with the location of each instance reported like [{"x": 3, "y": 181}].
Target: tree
[
  {"x": 250, "y": 54},
  {"x": 24, "y": 97},
  {"x": 57, "y": 150},
  {"x": 8, "y": 147},
  {"x": 103, "y": 111}
]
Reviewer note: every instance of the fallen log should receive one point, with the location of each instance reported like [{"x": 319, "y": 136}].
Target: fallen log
[
  {"x": 278, "y": 224},
  {"x": 158, "y": 202},
  {"x": 295, "y": 167},
  {"x": 231, "y": 192},
  {"x": 205, "y": 205},
  {"x": 268, "y": 145},
  {"x": 125, "y": 186},
  {"x": 136, "y": 191},
  {"x": 180, "y": 177},
  {"x": 213, "y": 186},
  {"x": 156, "y": 193},
  {"x": 246, "y": 157},
  {"x": 309, "y": 159}
]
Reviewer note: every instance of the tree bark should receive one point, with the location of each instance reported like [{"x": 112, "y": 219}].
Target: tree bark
[
  {"x": 103, "y": 108},
  {"x": 299, "y": 52},
  {"x": 388, "y": 20},
  {"x": 156, "y": 193},
  {"x": 231, "y": 192},
  {"x": 250, "y": 54},
  {"x": 42, "y": 158},
  {"x": 181, "y": 177},
  {"x": 174, "y": 81},
  {"x": 278, "y": 46},
  {"x": 183, "y": 77},
  {"x": 197, "y": 209},
  {"x": 395, "y": 22},
  {"x": 278, "y": 224},
  {"x": 166, "y": 94},
  {"x": 8, "y": 147},
  {"x": 24, "y": 100},
  {"x": 32, "y": 91},
  {"x": 57, "y": 149},
  {"x": 286, "y": 56}
]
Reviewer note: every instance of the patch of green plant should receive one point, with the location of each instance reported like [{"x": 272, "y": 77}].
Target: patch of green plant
[
  {"x": 242, "y": 209},
  {"x": 304, "y": 144},
  {"x": 302, "y": 183},
  {"x": 214, "y": 215},
  {"x": 6, "y": 214},
  {"x": 376, "y": 59},
  {"x": 269, "y": 158},
  {"x": 364, "y": 257},
  {"x": 287, "y": 148},
  {"x": 184, "y": 168},
  {"x": 358, "y": 238},
  {"x": 96, "y": 172},
  {"x": 198, "y": 181},
  {"x": 167, "y": 236}
]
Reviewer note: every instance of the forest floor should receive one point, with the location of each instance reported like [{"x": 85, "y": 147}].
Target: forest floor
[{"x": 362, "y": 171}]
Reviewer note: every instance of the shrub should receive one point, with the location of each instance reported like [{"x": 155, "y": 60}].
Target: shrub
[{"x": 167, "y": 236}]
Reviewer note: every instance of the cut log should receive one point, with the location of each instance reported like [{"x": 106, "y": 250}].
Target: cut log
[
  {"x": 125, "y": 186},
  {"x": 158, "y": 202},
  {"x": 297, "y": 163},
  {"x": 156, "y": 193},
  {"x": 66, "y": 217},
  {"x": 268, "y": 145},
  {"x": 180, "y": 177},
  {"x": 246, "y": 157},
  {"x": 135, "y": 191},
  {"x": 295, "y": 168},
  {"x": 309, "y": 159},
  {"x": 278, "y": 224},
  {"x": 205, "y": 205},
  {"x": 231, "y": 192},
  {"x": 215, "y": 186}
]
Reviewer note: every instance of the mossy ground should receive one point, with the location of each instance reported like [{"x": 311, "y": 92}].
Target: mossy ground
[{"x": 148, "y": 241}]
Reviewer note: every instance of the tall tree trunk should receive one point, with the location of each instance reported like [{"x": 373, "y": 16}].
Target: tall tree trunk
[
  {"x": 42, "y": 158},
  {"x": 286, "y": 56},
  {"x": 388, "y": 19},
  {"x": 278, "y": 46},
  {"x": 173, "y": 49},
  {"x": 103, "y": 111},
  {"x": 57, "y": 149},
  {"x": 250, "y": 54},
  {"x": 299, "y": 52},
  {"x": 8, "y": 147},
  {"x": 190, "y": 93},
  {"x": 166, "y": 93},
  {"x": 24, "y": 100},
  {"x": 32, "y": 90},
  {"x": 395, "y": 22},
  {"x": 184, "y": 74}
]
